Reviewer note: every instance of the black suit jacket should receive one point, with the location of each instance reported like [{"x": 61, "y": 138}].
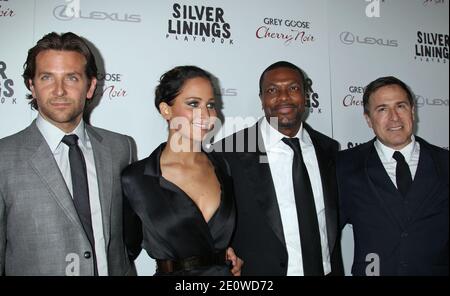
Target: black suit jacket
[
  {"x": 409, "y": 235},
  {"x": 259, "y": 238}
]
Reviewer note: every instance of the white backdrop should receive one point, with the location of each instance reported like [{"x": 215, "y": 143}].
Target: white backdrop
[{"x": 335, "y": 42}]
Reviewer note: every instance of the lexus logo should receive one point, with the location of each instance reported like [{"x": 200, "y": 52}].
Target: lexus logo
[
  {"x": 69, "y": 12},
  {"x": 347, "y": 38}
]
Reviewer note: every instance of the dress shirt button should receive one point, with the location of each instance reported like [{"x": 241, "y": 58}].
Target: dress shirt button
[{"x": 87, "y": 254}]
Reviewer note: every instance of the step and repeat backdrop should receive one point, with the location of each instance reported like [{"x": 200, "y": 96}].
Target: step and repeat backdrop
[{"x": 342, "y": 45}]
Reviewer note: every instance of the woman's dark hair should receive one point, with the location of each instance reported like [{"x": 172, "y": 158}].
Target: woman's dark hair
[
  {"x": 384, "y": 81},
  {"x": 171, "y": 83},
  {"x": 53, "y": 41}
]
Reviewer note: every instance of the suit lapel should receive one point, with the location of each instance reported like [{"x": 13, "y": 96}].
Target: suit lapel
[
  {"x": 327, "y": 175},
  {"x": 47, "y": 169},
  {"x": 261, "y": 183},
  {"x": 103, "y": 166},
  {"x": 381, "y": 184},
  {"x": 426, "y": 181}
]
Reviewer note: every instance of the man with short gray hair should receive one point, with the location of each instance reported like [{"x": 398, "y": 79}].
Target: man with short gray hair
[{"x": 393, "y": 190}]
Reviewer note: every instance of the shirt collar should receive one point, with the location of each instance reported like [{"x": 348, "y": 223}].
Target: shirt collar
[
  {"x": 272, "y": 137},
  {"x": 153, "y": 163},
  {"x": 53, "y": 135},
  {"x": 387, "y": 152}
]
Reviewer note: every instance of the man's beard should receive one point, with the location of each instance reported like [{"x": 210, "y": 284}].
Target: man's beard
[{"x": 283, "y": 124}]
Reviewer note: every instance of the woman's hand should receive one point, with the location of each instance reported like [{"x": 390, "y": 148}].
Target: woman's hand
[{"x": 235, "y": 261}]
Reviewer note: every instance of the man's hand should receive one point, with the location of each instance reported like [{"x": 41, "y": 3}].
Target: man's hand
[{"x": 235, "y": 261}]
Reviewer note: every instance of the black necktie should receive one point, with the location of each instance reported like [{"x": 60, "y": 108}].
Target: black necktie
[
  {"x": 402, "y": 173},
  {"x": 306, "y": 213},
  {"x": 80, "y": 189}
]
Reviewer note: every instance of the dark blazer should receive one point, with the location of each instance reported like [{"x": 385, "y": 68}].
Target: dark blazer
[
  {"x": 409, "y": 235},
  {"x": 259, "y": 238}
]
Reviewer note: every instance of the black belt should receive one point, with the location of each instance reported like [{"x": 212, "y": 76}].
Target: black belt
[{"x": 169, "y": 266}]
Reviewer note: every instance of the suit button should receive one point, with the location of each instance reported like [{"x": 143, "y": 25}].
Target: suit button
[
  {"x": 404, "y": 234},
  {"x": 283, "y": 265},
  {"x": 87, "y": 254}
]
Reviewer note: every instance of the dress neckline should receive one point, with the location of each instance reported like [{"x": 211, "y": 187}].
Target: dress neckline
[{"x": 177, "y": 188}]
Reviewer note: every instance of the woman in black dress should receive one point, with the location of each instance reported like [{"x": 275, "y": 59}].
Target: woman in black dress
[{"x": 182, "y": 196}]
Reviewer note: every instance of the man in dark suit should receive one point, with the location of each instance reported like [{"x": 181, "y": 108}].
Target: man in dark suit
[
  {"x": 60, "y": 190},
  {"x": 285, "y": 185},
  {"x": 394, "y": 190}
]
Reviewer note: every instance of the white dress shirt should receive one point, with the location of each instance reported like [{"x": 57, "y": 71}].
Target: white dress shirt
[
  {"x": 411, "y": 153},
  {"x": 280, "y": 157},
  {"x": 53, "y": 136}
]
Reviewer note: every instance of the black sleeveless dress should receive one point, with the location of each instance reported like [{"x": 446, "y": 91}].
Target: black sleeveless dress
[{"x": 173, "y": 226}]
